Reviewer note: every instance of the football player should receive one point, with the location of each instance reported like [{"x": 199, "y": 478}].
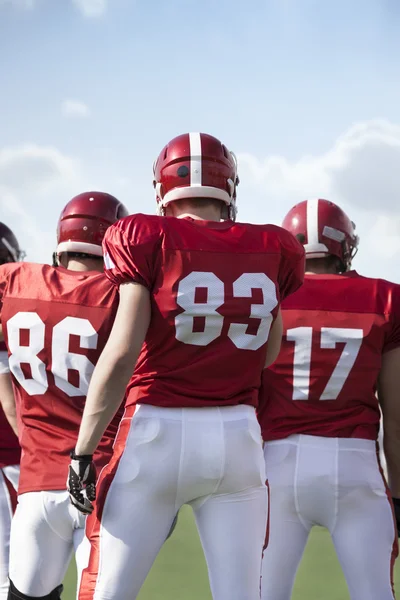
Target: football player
[
  {"x": 199, "y": 300},
  {"x": 9, "y": 448},
  {"x": 320, "y": 416},
  {"x": 55, "y": 321}
]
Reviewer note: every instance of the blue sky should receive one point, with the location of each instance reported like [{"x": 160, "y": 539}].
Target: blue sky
[{"x": 306, "y": 92}]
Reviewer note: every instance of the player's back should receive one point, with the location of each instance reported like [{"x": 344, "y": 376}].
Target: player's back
[
  {"x": 55, "y": 322},
  {"x": 336, "y": 328},
  {"x": 215, "y": 290}
]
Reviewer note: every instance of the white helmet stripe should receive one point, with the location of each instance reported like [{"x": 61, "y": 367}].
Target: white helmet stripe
[
  {"x": 13, "y": 251},
  {"x": 195, "y": 159},
  {"x": 312, "y": 222}
]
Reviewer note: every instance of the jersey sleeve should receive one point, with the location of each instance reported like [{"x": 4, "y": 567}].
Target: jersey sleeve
[
  {"x": 4, "y": 275},
  {"x": 3, "y": 281},
  {"x": 292, "y": 267},
  {"x": 130, "y": 249},
  {"x": 392, "y": 339}
]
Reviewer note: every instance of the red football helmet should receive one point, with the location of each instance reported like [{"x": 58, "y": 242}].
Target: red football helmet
[
  {"x": 323, "y": 229},
  {"x": 84, "y": 220},
  {"x": 9, "y": 247},
  {"x": 196, "y": 165}
]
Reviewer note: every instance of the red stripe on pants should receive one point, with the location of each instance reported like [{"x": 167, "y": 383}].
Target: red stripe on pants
[
  {"x": 395, "y": 547},
  {"x": 93, "y": 522}
]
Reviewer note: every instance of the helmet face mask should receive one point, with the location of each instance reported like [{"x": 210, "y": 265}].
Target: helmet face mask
[
  {"x": 84, "y": 221},
  {"x": 6, "y": 257},
  {"x": 324, "y": 229},
  {"x": 196, "y": 165}
]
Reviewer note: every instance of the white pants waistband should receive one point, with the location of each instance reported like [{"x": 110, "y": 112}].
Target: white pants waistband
[
  {"x": 333, "y": 443},
  {"x": 225, "y": 413}
]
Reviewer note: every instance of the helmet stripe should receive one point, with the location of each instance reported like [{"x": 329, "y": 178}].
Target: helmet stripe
[
  {"x": 195, "y": 159},
  {"x": 312, "y": 222},
  {"x": 13, "y": 251}
]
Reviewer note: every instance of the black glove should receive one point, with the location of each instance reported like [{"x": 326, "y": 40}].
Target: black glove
[
  {"x": 82, "y": 476},
  {"x": 396, "y": 505}
]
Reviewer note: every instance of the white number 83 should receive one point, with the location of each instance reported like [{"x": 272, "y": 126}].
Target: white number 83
[{"x": 213, "y": 320}]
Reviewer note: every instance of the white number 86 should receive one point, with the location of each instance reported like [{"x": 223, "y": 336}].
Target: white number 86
[{"x": 62, "y": 359}]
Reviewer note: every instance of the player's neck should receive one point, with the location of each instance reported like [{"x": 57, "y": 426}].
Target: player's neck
[
  {"x": 317, "y": 271},
  {"x": 321, "y": 266},
  {"x": 84, "y": 265},
  {"x": 192, "y": 215},
  {"x": 208, "y": 212}
]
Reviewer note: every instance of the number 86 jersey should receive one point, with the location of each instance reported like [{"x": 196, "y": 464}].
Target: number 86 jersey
[
  {"x": 215, "y": 291},
  {"x": 336, "y": 328},
  {"x": 55, "y": 323}
]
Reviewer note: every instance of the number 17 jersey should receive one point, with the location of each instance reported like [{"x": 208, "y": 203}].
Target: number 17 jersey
[
  {"x": 215, "y": 289},
  {"x": 336, "y": 328}
]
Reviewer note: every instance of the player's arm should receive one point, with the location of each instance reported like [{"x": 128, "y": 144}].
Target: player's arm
[
  {"x": 4, "y": 276},
  {"x": 129, "y": 250},
  {"x": 274, "y": 340},
  {"x": 115, "y": 365},
  {"x": 107, "y": 388},
  {"x": 8, "y": 401},
  {"x": 291, "y": 272},
  {"x": 389, "y": 399}
]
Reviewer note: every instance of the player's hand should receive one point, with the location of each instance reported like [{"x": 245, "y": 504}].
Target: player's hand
[
  {"x": 396, "y": 505},
  {"x": 81, "y": 482}
]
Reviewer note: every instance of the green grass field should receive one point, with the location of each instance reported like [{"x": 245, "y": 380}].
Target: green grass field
[{"x": 180, "y": 571}]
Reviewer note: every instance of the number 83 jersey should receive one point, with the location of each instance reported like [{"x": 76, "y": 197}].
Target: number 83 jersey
[
  {"x": 55, "y": 323},
  {"x": 215, "y": 291},
  {"x": 336, "y": 328}
]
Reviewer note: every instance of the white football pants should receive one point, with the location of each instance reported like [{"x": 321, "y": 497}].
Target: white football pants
[
  {"x": 45, "y": 531},
  {"x": 209, "y": 458},
  {"x": 8, "y": 498},
  {"x": 336, "y": 483}
]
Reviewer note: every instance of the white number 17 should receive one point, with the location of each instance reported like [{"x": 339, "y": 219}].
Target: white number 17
[{"x": 302, "y": 337}]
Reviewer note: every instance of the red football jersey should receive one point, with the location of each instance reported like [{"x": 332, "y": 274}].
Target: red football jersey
[
  {"x": 55, "y": 323},
  {"x": 336, "y": 328},
  {"x": 10, "y": 452},
  {"x": 215, "y": 290}
]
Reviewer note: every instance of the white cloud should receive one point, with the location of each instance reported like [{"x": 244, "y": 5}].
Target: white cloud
[
  {"x": 384, "y": 238},
  {"x": 356, "y": 168},
  {"x": 75, "y": 109},
  {"x": 361, "y": 172},
  {"x": 35, "y": 167},
  {"x": 35, "y": 183},
  {"x": 91, "y": 8}
]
